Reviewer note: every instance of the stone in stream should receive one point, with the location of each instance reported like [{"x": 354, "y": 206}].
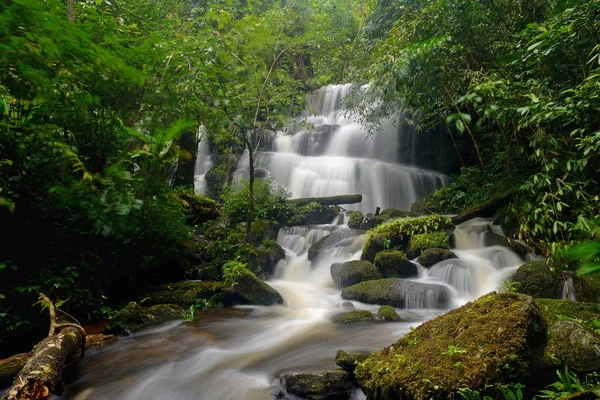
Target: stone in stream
[
  {"x": 419, "y": 243},
  {"x": 388, "y": 314},
  {"x": 248, "y": 289},
  {"x": 334, "y": 239},
  {"x": 399, "y": 293},
  {"x": 353, "y": 272},
  {"x": 133, "y": 317},
  {"x": 356, "y": 218},
  {"x": 430, "y": 257},
  {"x": 537, "y": 280},
  {"x": 354, "y": 317},
  {"x": 348, "y": 361},
  {"x": 493, "y": 239},
  {"x": 395, "y": 264},
  {"x": 327, "y": 385}
]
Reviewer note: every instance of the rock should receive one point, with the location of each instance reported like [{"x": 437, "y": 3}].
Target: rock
[
  {"x": 313, "y": 214},
  {"x": 263, "y": 230},
  {"x": 371, "y": 221},
  {"x": 388, "y": 313},
  {"x": 427, "y": 205},
  {"x": 493, "y": 239},
  {"x": 330, "y": 200},
  {"x": 216, "y": 178},
  {"x": 348, "y": 306},
  {"x": 183, "y": 293},
  {"x": 133, "y": 317},
  {"x": 200, "y": 209},
  {"x": 535, "y": 279},
  {"x": 337, "y": 238},
  {"x": 399, "y": 293},
  {"x": 268, "y": 255},
  {"x": 391, "y": 213},
  {"x": 353, "y": 317},
  {"x": 552, "y": 308},
  {"x": 355, "y": 220},
  {"x": 315, "y": 248},
  {"x": 424, "y": 241},
  {"x": 587, "y": 288},
  {"x": 397, "y": 233},
  {"x": 494, "y": 340},
  {"x": 348, "y": 361},
  {"x": 353, "y": 272},
  {"x": 575, "y": 344},
  {"x": 395, "y": 264},
  {"x": 249, "y": 289},
  {"x": 430, "y": 257},
  {"x": 328, "y": 385}
]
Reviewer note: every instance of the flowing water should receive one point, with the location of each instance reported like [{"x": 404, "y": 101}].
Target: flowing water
[{"x": 240, "y": 353}]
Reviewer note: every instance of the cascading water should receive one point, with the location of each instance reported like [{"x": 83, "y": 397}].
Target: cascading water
[
  {"x": 203, "y": 162},
  {"x": 240, "y": 353}
]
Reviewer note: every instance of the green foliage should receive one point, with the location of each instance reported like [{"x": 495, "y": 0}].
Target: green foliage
[
  {"x": 232, "y": 271},
  {"x": 401, "y": 230},
  {"x": 201, "y": 304}
]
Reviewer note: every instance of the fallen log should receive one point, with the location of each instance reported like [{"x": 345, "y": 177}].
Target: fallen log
[
  {"x": 484, "y": 210},
  {"x": 330, "y": 200}
]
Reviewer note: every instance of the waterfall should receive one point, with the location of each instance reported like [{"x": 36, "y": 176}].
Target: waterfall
[{"x": 203, "y": 162}]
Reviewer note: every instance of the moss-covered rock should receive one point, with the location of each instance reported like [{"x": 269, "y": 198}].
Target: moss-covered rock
[
  {"x": 313, "y": 214},
  {"x": 399, "y": 293},
  {"x": 493, "y": 239},
  {"x": 216, "y": 178},
  {"x": 343, "y": 237},
  {"x": 371, "y": 221},
  {"x": 353, "y": 272},
  {"x": 424, "y": 241},
  {"x": 537, "y": 280},
  {"x": 249, "y": 289},
  {"x": 574, "y": 344},
  {"x": 329, "y": 385},
  {"x": 133, "y": 317},
  {"x": 355, "y": 220},
  {"x": 391, "y": 213},
  {"x": 388, "y": 313},
  {"x": 315, "y": 248},
  {"x": 587, "y": 288},
  {"x": 395, "y": 264},
  {"x": 397, "y": 233},
  {"x": 182, "y": 293},
  {"x": 429, "y": 204},
  {"x": 553, "y": 308},
  {"x": 494, "y": 340},
  {"x": 263, "y": 230},
  {"x": 430, "y": 257},
  {"x": 200, "y": 209},
  {"x": 348, "y": 361},
  {"x": 269, "y": 254},
  {"x": 353, "y": 317}
]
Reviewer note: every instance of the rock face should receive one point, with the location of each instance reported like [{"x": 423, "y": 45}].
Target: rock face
[
  {"x": 430, "y": 257},
  {"x": 575, "y": 344},
  {"x": 348, "y": 361},
  {"x": 328, "y": 385},
  {"x": 496, "y": 339},
  {"x": 395, "y": 264},
  {"x": 493, "y": 239},
  {"x": 588, "y": 288},
  {"x": 134, "y": 317},
  {"x": 353, "y": 272},
  {"x": 353, "y": 317},
  {"x": 249, "y": 289},
  {"x": 399, "y": 293},
  {"x": 535, "y": 279},
  {"x": 551, "y": 308}
]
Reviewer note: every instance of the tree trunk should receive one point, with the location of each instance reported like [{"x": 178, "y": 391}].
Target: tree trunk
[
  {"x": 329, "y": 201},
  {"x": 251, "y": 199},
  {"x": 43, "y": 370}
]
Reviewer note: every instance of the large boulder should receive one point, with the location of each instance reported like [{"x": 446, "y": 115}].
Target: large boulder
[
  {"x": 391, "y": 213},
  {"x": 587, "y": 288},
  {"x": 493, "y": 341},
  {"x": 395, "y": 264},
  {"x": 537, "y": 280},
  {"x": 493, "y": 239},
  {"x": 133, "y": 317},
  {"x": 418, "y": 243},
  {"x": 328, "y": 385},
  {"x": 371, "y": 221},
  {"x": 399, "y": 293},
  {"x": 430, "y": 257},
  {"x": 183, "y": 293},
  {"x": 353, "y": 272},
  {"x": 249, "y": 289},
  {"x": 355, "y": 220},
  {"x": 353, "y": 317},
  {"x": 348, "y": 361},
  {"x": 263, "y": 230},
  {"x": 575, "y": 345}
]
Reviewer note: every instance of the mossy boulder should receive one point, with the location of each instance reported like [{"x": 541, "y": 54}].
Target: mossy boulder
[
  {"x": 537, "y": 280},
  {"x": 371, "y": 221},
  {"x": 249, "y": 289},
  {"x": 200, "y": 209},
  {"x": 399, "y": 293},
  {"x": 269, "y": 254},
  {"x": 395, "y": 264},
  {"x": 388, "y": 314},
  {"x": 216, "y": 178},
  {"x": 133, "y": 317},
  {"x": 418, "y": 243},
  {"x": 430, "y": 257},
  {"x": 182, "y": 293},
  {"x": 263, "y": 230},
  {"x": 315, "y": 248},
  {"x": 328, "y": 385},
  {"x": 313, "y": 214},
  {"x": 353, "y": 317},
  {"x": 353, "y": 272},
  {"x": 397, "y": 233},
  {"x": 391, "y": 213},
  {"x": 343, "y": 237},
  {"x": 574, "y": 344},
  {"x": 348, "y": 361},
  {"x": 493, "y": 239},
  {"x": 553, "y": 308},
  {"x": 429, "y": 204},
  {"x": 492, "y": 341},
  {"x": 587, "y": 288},
  {"x": 355, "y": 220}
]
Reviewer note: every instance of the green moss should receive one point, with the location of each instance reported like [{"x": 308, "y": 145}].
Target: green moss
[
  {"x": 537, "y": 280},
  {"x": 216, "y": 178},
  {"x": 575, "y": 345},
  {"x": 353, "y": 317},
  {"x": 353, "y": 272},
  {"x": 328, "y": 385},
  {"x": 424, "y": 241},
  {"x": 587, "y": 288},
  {"x": 371, "y": 221},
  {"x": 263, "y": 230},
  {"x": 391, "y": 213},
  {"x": 395, "y": 264},
  {"x": 182, "y": 293},
  {"x": 249, "y": 289},
  {"x": 200, "y": 209},
  {"x": 433, "y": 256},
  {"x": 348, "y": 361},
  {"x": 134, "y": 317},
  {"x": 355, "y": 220},
  {"x": 388, "y": 313},
  {"x": 397, "y": 292},
  {"x": 551, "y": 308},
  {"x": 494, "y": 340},
  {"x": 313, "y": 250},
  {"x": 428, "y": 205}
]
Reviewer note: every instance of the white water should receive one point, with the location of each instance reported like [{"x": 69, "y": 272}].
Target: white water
[{"x": 203, "y": 162}]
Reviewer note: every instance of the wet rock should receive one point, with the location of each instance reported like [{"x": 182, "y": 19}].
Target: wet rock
[
  {"x": 494, "y": 340},
  {"x": 399, "y": 293},
  {"x": 388, "y": 314},
  {"x": 216, "y": 178},
  {"x": 348, "y": 361},
  {"x": 249, "y": 289},
  {"x": 263, "y": 230},
  {"x": 424, "y": 241},
  {"x": 493, "y": 239},
  {"x": 353, "y": 317},
  {"x": 200, "y": 209},
  {"x": 371, "y": 221},
  {"x": 391, "y": 213},
  {"x": 313, "y": 214},
  {"x": 133, "y": 317},
  {"x": 537, "y": 280},
  {"x": 355, "y": 220},
  {"x": 553, "y": 308},
  {"x": 587, "y": 288},
  {"x": 183, "y": 293},
  {"x": 353, "y": 272},
  {"x": 348, "y": 305},
  {"x": 430, "y": 257},
  {"x": 267, "y": 256},
  {"x": 335, "y": 239},
  {"x": 575, "y": 344},
  {"x": 395, "y": 264},
  {"x": 328, "y": 385}
]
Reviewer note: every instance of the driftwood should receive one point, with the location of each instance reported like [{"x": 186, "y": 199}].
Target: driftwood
[
  {"x": 330, "y": 201},
  {"x": 484, "y": 210},
  {"x": 43, "y": 369}
]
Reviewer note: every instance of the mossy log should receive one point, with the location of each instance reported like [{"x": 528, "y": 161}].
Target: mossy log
[
  {"x": 329, "y": 201},
  {"x": 43, "y": 370},
  {"x": 487, "y": 209}
]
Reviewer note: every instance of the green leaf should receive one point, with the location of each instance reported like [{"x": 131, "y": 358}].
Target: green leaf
[{"x": 460, "y": 126}]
